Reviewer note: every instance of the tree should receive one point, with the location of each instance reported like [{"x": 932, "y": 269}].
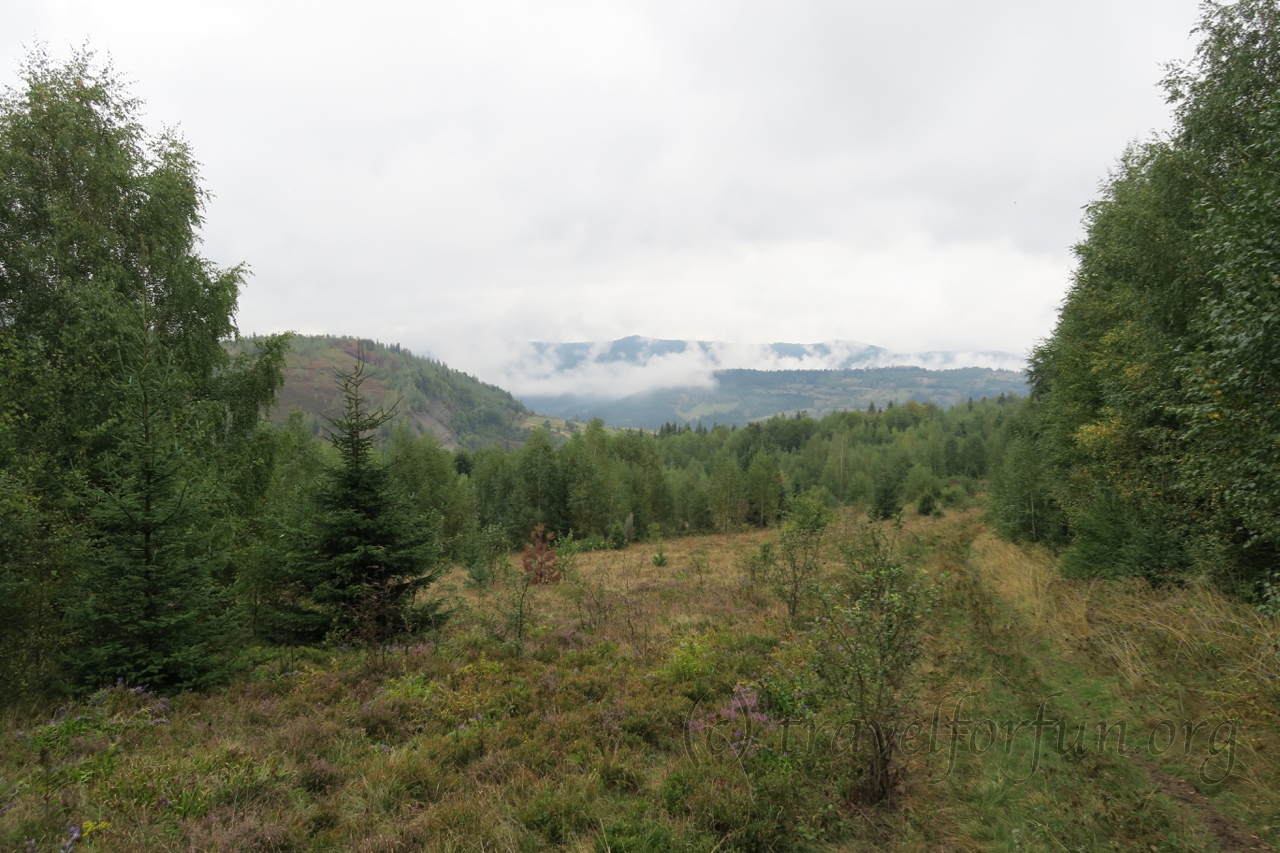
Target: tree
[
  {"x": 539, "y": 488},
  {"x": 1157, "y": 392},
  {"x": 145, "y": 610},
  {"x": 1022, "y": 504},
  {"x": 367, "y": 554},
  {"x": 271, "y": 587},
  {"x": 591, "y": 484},
  {"x": 98, "y": 218},
  {"x": 424, "y": 472},
  {"x": 886, "y": 497},
  {"x": 95, "y": 218},
  {"x": 864, "y": 650},
  {"x": 763, "y": 487},
  {"x": 725, "y": 493}
]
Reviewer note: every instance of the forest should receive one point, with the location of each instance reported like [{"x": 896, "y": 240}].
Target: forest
[
  {"x": 232, "y": 624},
  {"x": 1150, "y": 446},
  {"x": 426, "y": 394}
]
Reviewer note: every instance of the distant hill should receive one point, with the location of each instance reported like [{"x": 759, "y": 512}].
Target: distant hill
[
  {"x": 458, "y": 409},
  {"x": 741, "y": 396}
]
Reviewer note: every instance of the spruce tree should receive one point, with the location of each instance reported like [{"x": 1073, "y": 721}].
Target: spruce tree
[
  {"x": 369, "y": 553},
  {"x": 145, "y": 610}
]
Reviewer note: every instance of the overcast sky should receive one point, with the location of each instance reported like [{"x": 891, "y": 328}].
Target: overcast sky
[{"x": 457, "y": 176}]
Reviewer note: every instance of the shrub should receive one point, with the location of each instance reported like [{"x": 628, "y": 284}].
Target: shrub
[
  {"x": 864, "y": 649},
  {"x": 886, "y": 500},
  {"x": 760, "y": 566},
  {"x": 539, "y": 560},
  {"x": 655, "y": 535},
  {"x": 490, "y": 548},
  {"x": 800, "y": 547}
]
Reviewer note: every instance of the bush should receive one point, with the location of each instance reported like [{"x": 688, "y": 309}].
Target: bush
[
  {"x": 800, "y": 548},
  {"x": 1117, "y": 539},
  {"x": 864, "y": 649},
  {"x": 489, "y": 549},
  {"x": 760, "y": 566},
  {"x": 886, "y": 501}
]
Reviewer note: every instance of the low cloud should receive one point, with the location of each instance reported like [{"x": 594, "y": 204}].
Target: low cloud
[{"x": 614, "y": 369}]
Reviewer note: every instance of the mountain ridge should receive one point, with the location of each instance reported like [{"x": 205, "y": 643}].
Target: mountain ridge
[{"x": 741, "y": 396}]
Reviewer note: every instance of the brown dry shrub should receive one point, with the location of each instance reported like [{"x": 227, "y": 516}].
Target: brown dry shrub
[
  {"x": 391, "y": 718},
  {"x": 305, "y": 737},
  {"x": 319, "y": 776},
  {"x": 539, "y": 560}
]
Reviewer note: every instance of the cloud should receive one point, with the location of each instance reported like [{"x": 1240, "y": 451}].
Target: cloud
[
  {"x": 610, "y": 370},
  {"x": 461, "y": 177}
]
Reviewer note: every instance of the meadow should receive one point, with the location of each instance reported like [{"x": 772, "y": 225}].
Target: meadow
[{"x": 632, "y": 707}]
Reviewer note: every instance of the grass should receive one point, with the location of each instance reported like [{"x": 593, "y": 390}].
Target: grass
[{"x": 634, "y": 718}]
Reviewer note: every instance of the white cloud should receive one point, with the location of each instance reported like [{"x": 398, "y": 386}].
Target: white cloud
[
  {"x": 540, "y": 370},
  {"x": 464, "y": 176}
]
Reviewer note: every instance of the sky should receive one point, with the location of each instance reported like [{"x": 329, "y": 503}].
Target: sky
[{"x": 464, "y": 177}]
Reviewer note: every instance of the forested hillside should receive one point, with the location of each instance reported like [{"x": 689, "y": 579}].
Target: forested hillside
[
  {"x": 456, "y": 408},
  {"x": 739, "y": 397},
  {"x": 1151, "y": 444}
]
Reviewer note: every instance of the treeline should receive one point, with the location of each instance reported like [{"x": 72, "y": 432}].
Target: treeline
[
  {"x": 687, "y": 479},
  {"x": 1150, "y": 446}
]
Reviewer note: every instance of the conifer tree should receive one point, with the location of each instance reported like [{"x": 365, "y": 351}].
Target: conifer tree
[
  {"x": 145, "y": 609},
  {"x": 369, "y": 554}
]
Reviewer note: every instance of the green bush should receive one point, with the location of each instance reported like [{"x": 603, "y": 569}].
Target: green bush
[{"x": 864, "y": 648}]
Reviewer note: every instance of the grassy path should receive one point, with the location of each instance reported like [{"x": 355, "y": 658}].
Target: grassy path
[{"x": 1097, "y": 713}]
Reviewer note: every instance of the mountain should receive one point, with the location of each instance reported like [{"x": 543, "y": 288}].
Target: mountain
[
  {"x": 738, "y": 397},
  {"x": 462, "y": 411},
  {"x": 458, "y": 409}
]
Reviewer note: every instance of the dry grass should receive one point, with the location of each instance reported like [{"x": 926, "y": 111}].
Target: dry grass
[
  {"x": 1141, "y": 633},
  {"x": 1179, "y": 652},
  {"x": 1027, "y": 579},
  {"x": 576, "y": 739}
]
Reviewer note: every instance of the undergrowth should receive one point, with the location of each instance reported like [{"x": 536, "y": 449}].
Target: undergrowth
[{"x": 638, "y": 709}]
